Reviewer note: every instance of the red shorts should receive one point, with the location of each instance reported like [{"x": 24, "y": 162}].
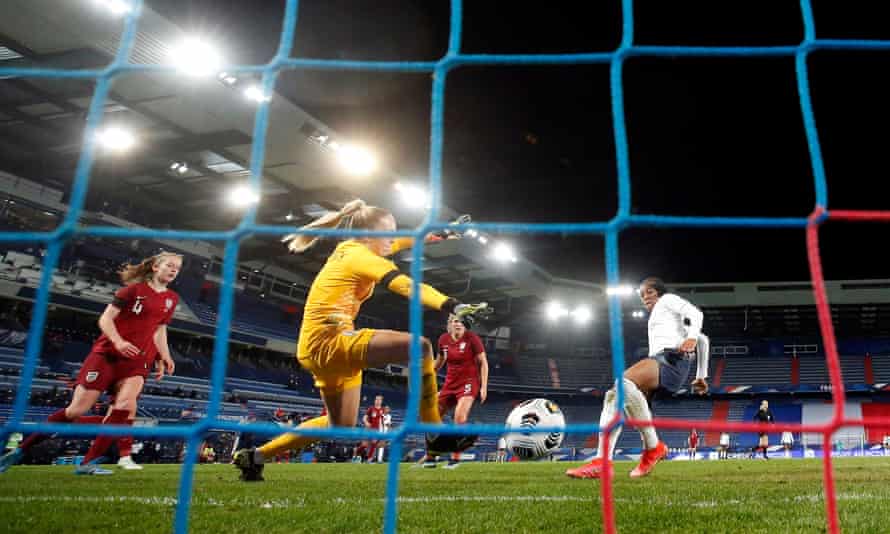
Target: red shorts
[
  {"x": 102, "y": 372},
  {"x": 455, "y": 390}
]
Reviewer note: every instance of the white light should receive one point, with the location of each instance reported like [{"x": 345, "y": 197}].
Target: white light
[
  {"x": 582, "y": 315},
  {"x": 180, "y": 167},
  {"x": 556, "y": 311},
  {"x": 242, "y": 196},
  {"x": 116, "y": 138},
  {"x": 194, "y": 57},
  {"x": 289, "y": 217},
  {"x": 255, "y": 93},
  {"x": 471, "y": 233},
  {"x": 355, "y": 160},
  {"x": 226, "y": 78},
  {"x": 483, "y": 239},
  {"x": 637, "y": 314},
  {"x": 621, "y": 291},
  {"x": 413, "y": 196},
  {"x": 117, "y": 7},
  {"x": 503, "y": 252},
  {"x": 334, "y": 145}
]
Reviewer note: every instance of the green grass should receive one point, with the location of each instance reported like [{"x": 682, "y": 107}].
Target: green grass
[{"x": 730, "y": 496}]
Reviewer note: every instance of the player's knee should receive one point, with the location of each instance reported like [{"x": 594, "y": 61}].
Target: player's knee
[
  {"x": 460, "y": 418},
  {"x": 79, "y": 405},
  {"x": 125, "y": 403},
  {"x": 75, "y": 410}
]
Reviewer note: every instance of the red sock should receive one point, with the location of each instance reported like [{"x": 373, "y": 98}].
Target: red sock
[
  {"x": 34, "y": 439},
  {"x": 125, "y": 444},
  {"x": 101, "y": 443},
  {"x": 90, "y": 419}
]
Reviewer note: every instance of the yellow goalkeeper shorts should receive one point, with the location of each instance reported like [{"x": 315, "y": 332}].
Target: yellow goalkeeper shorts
[{"x": 336, "y": 360}]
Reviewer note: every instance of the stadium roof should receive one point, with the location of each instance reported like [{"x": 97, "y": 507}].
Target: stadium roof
[{"x": 207, "y": 125}]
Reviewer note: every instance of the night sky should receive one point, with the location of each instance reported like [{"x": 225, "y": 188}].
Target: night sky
[{"x": 720, "y": 136}]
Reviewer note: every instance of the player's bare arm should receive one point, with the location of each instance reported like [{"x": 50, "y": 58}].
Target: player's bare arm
[
  {"x": 106, "y": 324},
  {"x": 483, "y": 376}
]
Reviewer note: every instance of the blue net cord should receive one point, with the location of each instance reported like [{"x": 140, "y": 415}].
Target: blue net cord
[{"x": 611, "y": 229}]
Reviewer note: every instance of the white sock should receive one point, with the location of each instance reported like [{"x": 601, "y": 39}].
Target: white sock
[
  {"x": 608, "y": 413},
  {"x": 636, "y": 407}
]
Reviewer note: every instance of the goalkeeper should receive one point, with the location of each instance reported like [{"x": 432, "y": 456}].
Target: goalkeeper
[{"x": 335, "y": 352}]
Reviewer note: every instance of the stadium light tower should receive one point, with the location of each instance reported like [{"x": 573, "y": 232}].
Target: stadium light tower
[
  {"x": 621, "y": 291},
  {"x": 116, "y": 139},
  {"x": 555, "y": 310},
  {"x": 582, "y": 315},
  {"x": 116, "y": 7},
  {"x": 413, "y": 196},
  {"x": 196, "y": 58},
  {"x": 242, "y": 196},
  {"x": 503, "y": 253},
  {"x": 179, "y": 167},
  {"x": 227, "y": 79},
  {"x": 356, "y": 160},
  {"x": 255, "y": 94}
]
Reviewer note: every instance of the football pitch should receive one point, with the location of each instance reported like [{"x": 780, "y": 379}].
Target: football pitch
[{"x": 728, "y": 496}]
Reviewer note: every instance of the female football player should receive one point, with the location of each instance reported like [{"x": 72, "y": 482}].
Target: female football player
[
  {"x": 674, "y": 338},
  {"x": 134, "y": 335},
  {"x": 467, "y": 377},
  {"x": 335, "y": 352}
]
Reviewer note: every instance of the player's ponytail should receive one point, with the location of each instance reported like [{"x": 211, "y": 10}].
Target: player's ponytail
[
  {"x": 354, "y": 215},
  {"x": 144, "y": 270}
]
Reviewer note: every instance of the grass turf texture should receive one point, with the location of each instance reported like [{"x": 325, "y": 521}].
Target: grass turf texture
[{"x": 728, "y": 496}]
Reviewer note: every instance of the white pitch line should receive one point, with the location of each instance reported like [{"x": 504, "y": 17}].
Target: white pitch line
[
  {"x": 301, "y": 503},
  {"x": 494, "y": 498}
]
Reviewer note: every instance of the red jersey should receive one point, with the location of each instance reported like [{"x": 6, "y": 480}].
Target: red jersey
[
  {"x": 375, "y": 417},
  {"x": 693, "y": 440},
  {"x": 142, "y": 310},
  {"x": 461, "y": 356}
]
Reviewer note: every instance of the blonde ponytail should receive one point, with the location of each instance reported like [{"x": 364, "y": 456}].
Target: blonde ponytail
[
  {"x": 355, "y": 214},
  {"x": 143, "y": 271}
]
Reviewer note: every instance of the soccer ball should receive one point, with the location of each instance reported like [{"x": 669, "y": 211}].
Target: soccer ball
[{"x": 528, "y": 416}]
